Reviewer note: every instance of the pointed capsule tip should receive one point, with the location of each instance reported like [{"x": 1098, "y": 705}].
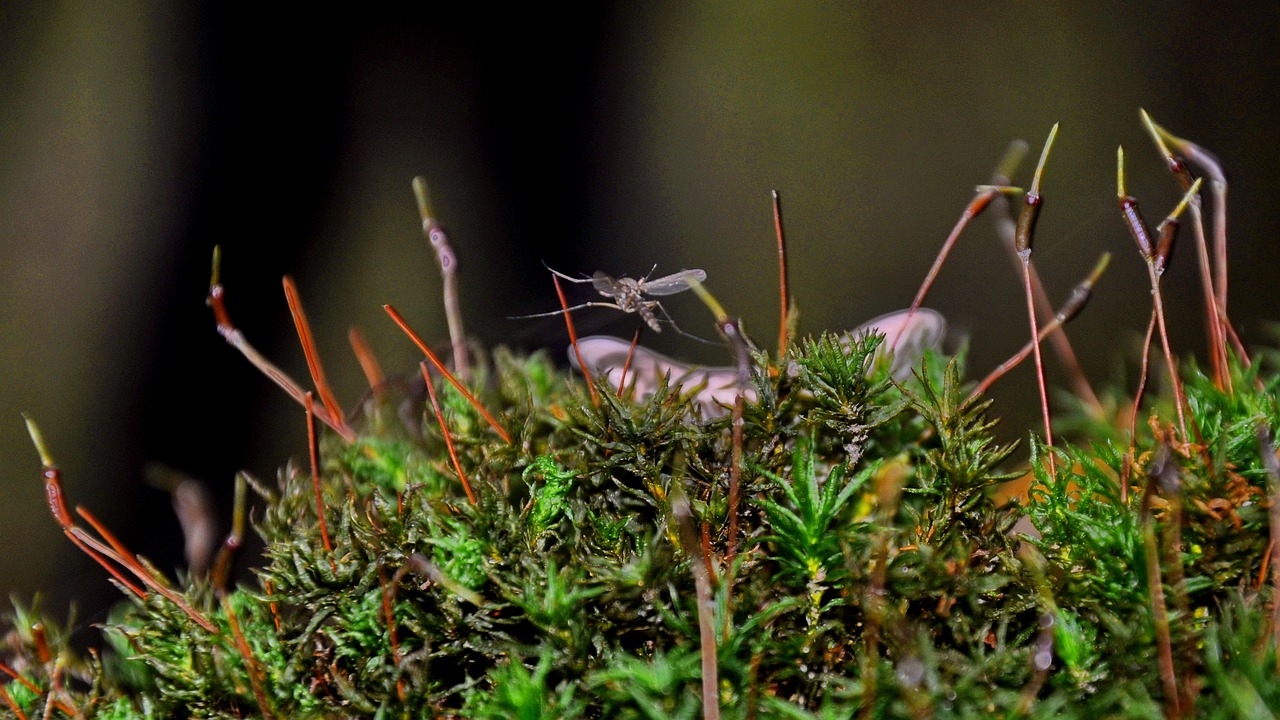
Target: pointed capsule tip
[
  {"x": 422, "y": 197},
  {"x": 215, "y": 276},
  {"x": 1120, "y": 188},
  {"x": 1099, "y": 268},
  {"x": 38, "y": 440}
]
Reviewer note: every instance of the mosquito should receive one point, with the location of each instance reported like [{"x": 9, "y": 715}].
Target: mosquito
[{"x": 630, "y": 295}]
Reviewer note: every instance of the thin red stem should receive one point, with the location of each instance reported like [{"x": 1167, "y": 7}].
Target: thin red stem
[
  {"x": 130, "y": 562},
  {"x": 82, "y": 540},
  {"x": 309, "y": 350},
  {"x": 1006, "y": 228},
  {"x": 87, "y": 545},
  {"x": 126, "y": 558},
  {"x": 975, "y": 206},
  {"x": 784, "y": 299},
  {"x": 16, "y": 676},
  {"x": 1126, "y": 472},
  {"x": 313, "y": 449},
  {"x": 1035, "y": 334},
  {"x": 250, "y": 662},
  {"x": 1159, "y": 611},
  {"x": 36, "y": 689},
  {"x": 368, "y": 361},
  {"x": 8, "y": 699},
  {"x": 426, "y": 350},
  {"x": 237, "y": 340},
  {"x": 444, "y": 430},
  {"x": 631, "y": 351},
  {"x": 1014, "y": 361},
  {"x": 573, "y": 339},
  {"x": 1212, "y": 311},
  {"x": 272, "y": 606},
  {"x": 735, "y": 478},
  {"x": 116, "y": 550},
  {"x": 1063, "y": 349},
  {"x": 391, "y": 630},
  {"x": 1178, "y": 397}
]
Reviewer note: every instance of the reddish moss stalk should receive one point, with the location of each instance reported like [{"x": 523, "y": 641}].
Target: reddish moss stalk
[
  {"x": 314, "y": 452},
  {"x": 236, "y": 339},
  {"x": 426, "y": 350},
  {"x": 250, "y": 662},
  {"x": 369, "y": 364},
  {"x": 99, "y": 551},
  {"x": 573, "y": 339},
  {"x": 448, "y": 440},
  {"x": 631, "y": 351},
  {"x": 309, "y": 350},
  {"x": 784, "y": 300}
]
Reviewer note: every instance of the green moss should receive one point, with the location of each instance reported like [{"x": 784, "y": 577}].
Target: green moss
[
  {"x": 566, "y": 592},
  {"x": 870, "y": 570}
]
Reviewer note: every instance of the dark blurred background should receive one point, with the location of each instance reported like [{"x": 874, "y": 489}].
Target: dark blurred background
[{"x": 134, "y": 137}]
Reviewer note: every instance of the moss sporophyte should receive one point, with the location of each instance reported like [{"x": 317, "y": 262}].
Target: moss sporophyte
[{"x": 828, "y": 529}]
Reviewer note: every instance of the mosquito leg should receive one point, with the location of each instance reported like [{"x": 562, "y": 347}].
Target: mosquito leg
[
  {"x": 570, "y": 278},
  {"x": 667, "y": 316},
  {"x": 553, "y": 313}
]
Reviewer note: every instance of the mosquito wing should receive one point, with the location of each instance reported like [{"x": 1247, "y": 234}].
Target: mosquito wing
[
  {"x": 673, "y": 283},
  {"x": 607, "y": 285}
]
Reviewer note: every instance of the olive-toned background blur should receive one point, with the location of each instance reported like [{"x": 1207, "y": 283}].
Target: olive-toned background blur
[{"x": 135, "y": 136}]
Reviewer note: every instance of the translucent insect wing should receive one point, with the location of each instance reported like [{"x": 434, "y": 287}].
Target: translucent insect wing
[
  {"x": 606, "y": 284},
  {"x": 674, "y": 283}
]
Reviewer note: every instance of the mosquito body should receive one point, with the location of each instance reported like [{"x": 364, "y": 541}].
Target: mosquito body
[{"x": 631, "y": 295}]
